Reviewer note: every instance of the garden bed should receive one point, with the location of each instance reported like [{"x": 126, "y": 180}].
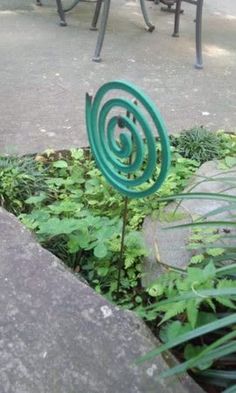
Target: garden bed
[{"x": 75, "y": 214}]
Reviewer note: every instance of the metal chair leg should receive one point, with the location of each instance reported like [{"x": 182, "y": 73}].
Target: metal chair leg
[
  {"x": 150, "y": 26},
  {"x": 61, "y": 13},
  {"x": 177, "y": 18},
  {"x": 102, "y": 30},
  {"x": 199, "y": 63},
  {"x": 96, "y": 15}
]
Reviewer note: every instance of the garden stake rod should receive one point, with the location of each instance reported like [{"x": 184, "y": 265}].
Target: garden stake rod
[
  {"x": 127, "y": 161},
  {"x": 125, "y": 212},
  {"x": 122, "y": 246}
]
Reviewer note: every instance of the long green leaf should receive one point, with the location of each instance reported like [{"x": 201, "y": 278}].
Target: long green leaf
[
  {"x": 218, "y": 245},
  {"x": 231, "y": 389},
  {"x": 210, "y": 356},
  {"x": 214, "y": 178},
  {"x": 225, "y": 257},
  {"x": 222, "y": 173},
  {"x": 205, "y": 293},
  {"x": 222, "y": 374},
  {"x": 230, "y": 180},
  {"x": 204, "y": 224},
  {"x": 219, "y": 210},
  {"x": 201, "y": 357},
  {"x": 226, "y": 270},
  {"x": 209, "y": 327},
  {"x": 200, "y": 195},
  {"x": 227, "y": 237}
]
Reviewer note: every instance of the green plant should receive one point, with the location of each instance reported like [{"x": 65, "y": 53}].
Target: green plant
[
  {"x": 220, "y": 346},
  {"x": 79, "y": 219},
  {"x": 206, "y": 243},
  {"x": 196, "y": 323},
  {"x": 77, "y": 215},
  {"x": 81, "y": 223},
  {"x": 227, "y": 144},
  {"x": 231, "y": 389},
  {"x": 199, "y": 144},
  {"x": 196, "y": 308},
  {"x": 20, "y": 177}
]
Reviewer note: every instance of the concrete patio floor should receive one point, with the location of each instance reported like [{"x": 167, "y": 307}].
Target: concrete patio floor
[{"x": 45, "y": 70}]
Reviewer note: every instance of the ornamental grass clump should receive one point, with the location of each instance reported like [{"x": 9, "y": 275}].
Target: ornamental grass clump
[{"x": 198, "y": 144}]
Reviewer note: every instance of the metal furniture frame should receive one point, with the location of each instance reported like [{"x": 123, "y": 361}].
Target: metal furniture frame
[
  {"x": 105, "y": 6},
  {"x": 169, "y": 4},
  {"x": 198, "y": 34}
]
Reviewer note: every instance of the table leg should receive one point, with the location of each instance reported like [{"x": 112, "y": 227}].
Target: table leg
[
  {"x": 199, "y": 63},
  {"x": 102, "y": 30},
  {"x": 96, "y": 15},
  {"x": 61, "y": 13},
  {"x": 177, "y": 18},
  {"x": 150, "y": 26}
]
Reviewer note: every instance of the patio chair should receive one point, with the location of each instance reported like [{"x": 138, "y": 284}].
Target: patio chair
[
  {"x": 103, "y": 23},
  {"x": 198, "y": 34}
]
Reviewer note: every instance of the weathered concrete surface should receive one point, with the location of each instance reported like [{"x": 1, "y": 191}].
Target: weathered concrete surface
[
  {"x": 165, "y": 247},
  {"x": 169, "y": 246},
  {"x": 211, "y": 170},
  {"x": 58, "y": 336},
  {"x": 46, "y": 70}
]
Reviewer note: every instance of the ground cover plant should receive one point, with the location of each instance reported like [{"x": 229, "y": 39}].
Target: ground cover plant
[
  {"x": 197, "y": 306},
  {"x": 20, "y": 177},
  {"x": 79, "y": 218},
  {"x": 75, "y": 214}
]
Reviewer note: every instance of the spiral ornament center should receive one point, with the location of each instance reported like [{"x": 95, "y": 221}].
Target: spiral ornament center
[{"x": 122, "y": 134}]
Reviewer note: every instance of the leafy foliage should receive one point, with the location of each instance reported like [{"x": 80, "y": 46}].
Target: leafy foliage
[
  {"x": 174, "y": 284},
  {"x": 202, "y": 300},
  {"x": 202, "y": 145},
  {"x": 75, "y": 214},
  {"x": 79, "y": 219},
  {"x": 19, "y": 179}
]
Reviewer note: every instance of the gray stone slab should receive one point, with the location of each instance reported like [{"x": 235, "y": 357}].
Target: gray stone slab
[
  {"x": 166, "y": 247},
  {"x": 211, "y": 170},
  {"x": 169, "y": 246},
  {"x": 58, "y": 336},
  {"x": 46, "y": 70}
]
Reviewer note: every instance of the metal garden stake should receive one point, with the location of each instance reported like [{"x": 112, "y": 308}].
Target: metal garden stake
[{"x": 127, "y": 160}]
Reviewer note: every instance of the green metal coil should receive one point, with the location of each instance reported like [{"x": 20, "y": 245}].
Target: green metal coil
[{"x": 129, "y": 161}]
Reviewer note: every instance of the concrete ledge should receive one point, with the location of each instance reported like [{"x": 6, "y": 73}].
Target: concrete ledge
[{"x": 58, "y": 336}]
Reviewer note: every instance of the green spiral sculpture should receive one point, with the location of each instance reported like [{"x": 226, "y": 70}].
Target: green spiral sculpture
[{"x": 127, "y": 160}]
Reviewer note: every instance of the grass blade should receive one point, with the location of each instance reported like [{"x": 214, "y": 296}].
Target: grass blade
[
  {"x": 205, "y": 293},
  {"x": 219, "y": 210},
  {"x": 203, "y": 356},
  {"x": 209, "y": 327},
  {"x": 220, "y": 374},
  {"x": 200, "y": 195},
  {"x": 232, "y": 389},
  {"x": 210, "y": 356},
  {"x": 204, "y": 223},
  {"x": 226, "y": 270}
]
